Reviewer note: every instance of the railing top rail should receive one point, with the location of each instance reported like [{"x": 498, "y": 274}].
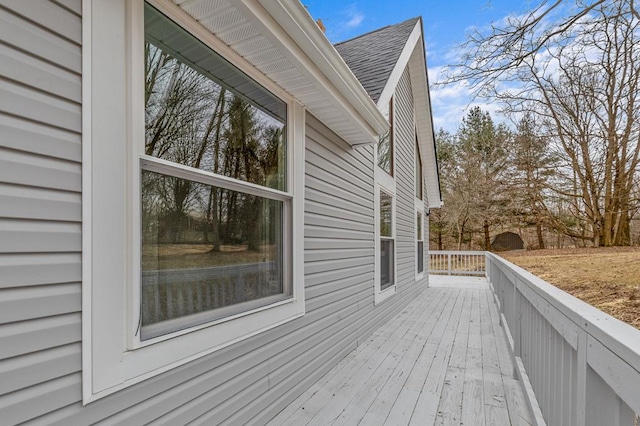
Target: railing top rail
[{"x": 621, "y": 338}]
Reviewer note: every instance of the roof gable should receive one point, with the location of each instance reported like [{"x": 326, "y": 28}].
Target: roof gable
[{"x": 381, "y": 47}]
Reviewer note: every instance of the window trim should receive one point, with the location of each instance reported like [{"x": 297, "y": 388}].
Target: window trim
[
  {"x": 381, "y": 295},
  {"x": 388, "y": 175},
  {"x": 385, "y": 181},
  {"x": 419, "y": 203},
  {"x": 418, "y": 180},
  {"x": 419, "y": 209},
  {"x": 110, "y": 257}
]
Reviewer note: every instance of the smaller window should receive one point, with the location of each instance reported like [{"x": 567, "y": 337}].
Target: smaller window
[
  {"x": 418, "y": 171},
  {"x": 419, "y": 242},
  {"x": 387, "y": 249},
  {"x": 385, "y": 144}
]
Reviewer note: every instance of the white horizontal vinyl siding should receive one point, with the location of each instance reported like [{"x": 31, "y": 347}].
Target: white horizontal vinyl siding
[
  {"x": 404, "y": 144},
  {"x": 40, "y": 208},
  {"x": 40, "y": 257}
]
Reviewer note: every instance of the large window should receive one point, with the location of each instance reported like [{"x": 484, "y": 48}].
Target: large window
[
  {"x": 193, "y": 182},
  {"x": 211, "y": 247}
]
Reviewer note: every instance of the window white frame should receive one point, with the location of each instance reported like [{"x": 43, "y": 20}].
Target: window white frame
[
  {"x": 419, "y": 208},
  {"x": 380, "y": 294},
  {"x": 113, "y": 134}
]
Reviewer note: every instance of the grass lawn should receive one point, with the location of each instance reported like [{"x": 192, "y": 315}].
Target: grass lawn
[
  {"x": 607, "y": 278},
  {"x": 181, "y": 256}
]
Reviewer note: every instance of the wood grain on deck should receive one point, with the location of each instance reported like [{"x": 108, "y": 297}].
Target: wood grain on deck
[{"x": 443, "y": 361}]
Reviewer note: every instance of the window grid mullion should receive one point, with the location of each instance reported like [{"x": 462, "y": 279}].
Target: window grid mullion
[{"x": 189, "y": 173}]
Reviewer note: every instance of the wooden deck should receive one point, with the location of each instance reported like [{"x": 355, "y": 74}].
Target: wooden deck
[{"x": 444, "y": 360}]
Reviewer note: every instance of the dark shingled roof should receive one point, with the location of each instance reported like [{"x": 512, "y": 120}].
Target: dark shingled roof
[{"x": 372, "y": 56}]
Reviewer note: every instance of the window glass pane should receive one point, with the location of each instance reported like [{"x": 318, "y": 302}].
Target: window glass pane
[
  {"x": 420, "y": 256},
  {"x": 384, "y": 152},
  {"x": 418, "y": 173},
  {"x": 207, "y": 253},
  {"x": 419, "y": 226},
  {"x": 386, "y": 229},
  {"x": 385, "y": 145},
  {"x": 202, "y": 112},
  {"x": 386, "y": 263}
]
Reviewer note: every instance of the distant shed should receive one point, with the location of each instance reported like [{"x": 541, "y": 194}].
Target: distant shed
[{"x": 507, "y": 241}]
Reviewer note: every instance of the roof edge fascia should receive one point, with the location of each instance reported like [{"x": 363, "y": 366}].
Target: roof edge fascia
[
  {"x": 406, "y": 56},
  {"x": 308, "y": 47},
  {"x": 401, "y": 64}
]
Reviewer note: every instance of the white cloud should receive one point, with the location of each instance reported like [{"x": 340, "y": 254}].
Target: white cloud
[
  {"x": 348, "y": 19},
  {"x": 355, "y": 20}
]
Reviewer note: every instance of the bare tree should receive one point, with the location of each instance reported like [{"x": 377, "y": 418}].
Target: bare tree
[{"x": 578, "y": 74}]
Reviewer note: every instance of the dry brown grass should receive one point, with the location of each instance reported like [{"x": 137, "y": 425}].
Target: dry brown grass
[
  {"x": 607, "y": 278},
  {"x": 176, "y": 256}
]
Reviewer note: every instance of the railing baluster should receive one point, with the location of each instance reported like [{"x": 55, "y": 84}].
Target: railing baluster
[
  {"x": 457, "y": 263},
  {"x": 581, "y": 380},
  {"x": 580, "y": 362}
]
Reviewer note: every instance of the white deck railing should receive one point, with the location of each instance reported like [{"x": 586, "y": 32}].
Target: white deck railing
[
  {"x": 456, "y": 262},
  {"x": 582, "y": 365}
]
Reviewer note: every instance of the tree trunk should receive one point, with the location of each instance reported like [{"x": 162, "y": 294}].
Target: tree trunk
[
  {"x": 539, "y": 232},
  {"x": 623, "y": 234},
  {"x": 487, "y": 239},
  {"x": 213, "y": 195},
  {"x": 460, "y": 234}
]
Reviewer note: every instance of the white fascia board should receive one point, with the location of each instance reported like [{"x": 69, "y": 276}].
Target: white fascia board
[
  {"x": 413, "y": 55},
  {"x": 288, "y": 25},
  {"x": 399, "y": 67}
]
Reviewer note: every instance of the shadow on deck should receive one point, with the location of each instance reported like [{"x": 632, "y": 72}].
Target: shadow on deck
[{"x": 443, "y": 360}]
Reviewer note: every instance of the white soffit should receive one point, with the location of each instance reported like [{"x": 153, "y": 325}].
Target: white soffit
[{"x": 289, "y": 51}]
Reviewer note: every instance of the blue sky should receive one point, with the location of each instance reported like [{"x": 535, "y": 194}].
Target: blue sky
[{"x": 446, "y": 24}]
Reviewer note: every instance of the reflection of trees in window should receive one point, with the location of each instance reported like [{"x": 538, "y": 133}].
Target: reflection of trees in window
[
  {"x": 385, "y": 144},
  {"x": 213, "y": 188},
  {"x": 418, "y": 170},
  {"x": 163, "y": 224},
  {"x": 387, "y": 251},
  {"x": 385, "y": 215},
  {"x": 196, "y": 122}
]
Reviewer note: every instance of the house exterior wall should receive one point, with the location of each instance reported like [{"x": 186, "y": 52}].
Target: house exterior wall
[
  {"x": 405, "y": 140},
  {"x": 40, "y": 208},
  {"x": 40, "y": 254}
]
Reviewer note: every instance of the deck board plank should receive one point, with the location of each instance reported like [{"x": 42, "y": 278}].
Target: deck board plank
[
  {"x": 443, "y": 360},
  {"x": 426, "y": 408},
  {"x": 414, "y": 368},
  {"x": 389, "y": 378},
  {"x": 351, "y": 369},
  {"x": 342, "y": 391},
  {"x": 450, "y": 407}
]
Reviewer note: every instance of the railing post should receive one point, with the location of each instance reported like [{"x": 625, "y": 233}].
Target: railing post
[
  {"x": 517, "y": 321},
  {"x": 448, "y": 263}
]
